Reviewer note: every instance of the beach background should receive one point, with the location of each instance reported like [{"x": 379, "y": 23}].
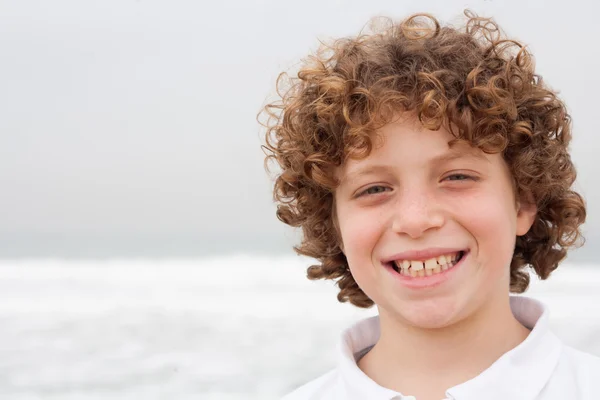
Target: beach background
[
  {"x": 222, "y": 328},
  {"x": 140, "y": 256}
]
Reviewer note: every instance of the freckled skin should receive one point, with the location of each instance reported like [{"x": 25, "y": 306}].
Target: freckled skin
[{"x": 415, "y": 197}]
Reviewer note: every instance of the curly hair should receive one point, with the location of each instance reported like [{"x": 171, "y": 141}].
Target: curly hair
[{"x": 473, "y": 81}]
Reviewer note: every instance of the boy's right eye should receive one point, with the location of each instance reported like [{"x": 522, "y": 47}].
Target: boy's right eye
[{"x": 373, "y": 190}]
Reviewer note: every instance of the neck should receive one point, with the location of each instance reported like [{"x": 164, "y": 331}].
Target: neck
[{"x": 406, "y": 358}]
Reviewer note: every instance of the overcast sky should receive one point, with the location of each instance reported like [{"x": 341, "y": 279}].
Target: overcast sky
[{"x": 128, "y": 127}]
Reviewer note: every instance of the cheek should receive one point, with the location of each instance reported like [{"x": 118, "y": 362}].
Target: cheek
[
  {"x": 360, "y": 232},
  {"x": 491, "y": 220}
]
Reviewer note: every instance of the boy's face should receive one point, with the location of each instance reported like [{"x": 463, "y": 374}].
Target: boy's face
[{"x": 413, "y": 198}]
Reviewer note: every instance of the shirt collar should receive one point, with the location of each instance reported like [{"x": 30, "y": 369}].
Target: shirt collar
[{"x": 520, "y": 373}]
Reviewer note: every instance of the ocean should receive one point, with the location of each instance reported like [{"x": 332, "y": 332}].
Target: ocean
[{"x": 238, "y": 327}]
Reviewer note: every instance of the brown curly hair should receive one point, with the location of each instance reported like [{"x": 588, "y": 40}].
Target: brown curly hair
[{"x": 473, "y": 81}]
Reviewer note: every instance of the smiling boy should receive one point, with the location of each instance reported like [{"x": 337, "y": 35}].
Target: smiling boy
[{"x": 428, "y": 168}]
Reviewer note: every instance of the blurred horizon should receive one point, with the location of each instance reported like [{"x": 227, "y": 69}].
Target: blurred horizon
[{"x": 176, "y": 247}]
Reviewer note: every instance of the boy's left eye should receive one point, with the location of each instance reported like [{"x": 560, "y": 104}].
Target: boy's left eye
[{"x": 458, "y": 177}]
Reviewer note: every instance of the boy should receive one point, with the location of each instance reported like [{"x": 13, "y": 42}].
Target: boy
[{"x": 429, "y": 171}]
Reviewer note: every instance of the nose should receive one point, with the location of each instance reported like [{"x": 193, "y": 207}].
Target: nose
[{"x": 416, "y": 212}]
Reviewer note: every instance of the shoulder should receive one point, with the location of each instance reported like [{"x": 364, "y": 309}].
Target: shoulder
[
  {"x": 582, "y": 364},
  {"x": 322, "y": 387},
  {"x": 577, "y": 373}
]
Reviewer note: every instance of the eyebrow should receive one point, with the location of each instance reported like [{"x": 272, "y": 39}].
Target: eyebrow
[
  {"x": 369, "y": 170},
  {"x": 439, "y": 159},
  {"x": 456, "y": 154}
]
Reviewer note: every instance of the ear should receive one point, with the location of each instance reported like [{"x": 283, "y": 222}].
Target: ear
[{"x": 526, "y": 213}]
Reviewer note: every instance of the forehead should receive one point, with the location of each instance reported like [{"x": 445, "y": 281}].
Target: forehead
[{"x": 408, "y": 144}]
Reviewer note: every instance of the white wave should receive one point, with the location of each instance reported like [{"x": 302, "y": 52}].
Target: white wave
[{"x": 240, "y": 327}]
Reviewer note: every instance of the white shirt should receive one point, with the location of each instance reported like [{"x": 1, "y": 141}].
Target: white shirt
[{"x": 540, "y": 368}]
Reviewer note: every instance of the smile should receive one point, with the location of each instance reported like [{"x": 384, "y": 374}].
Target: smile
[{"x": 429, "y": 267}]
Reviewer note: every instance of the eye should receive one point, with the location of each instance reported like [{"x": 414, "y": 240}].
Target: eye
[
  {"x": 459, "y": 177},
  {"x": 373, "y": 190}
]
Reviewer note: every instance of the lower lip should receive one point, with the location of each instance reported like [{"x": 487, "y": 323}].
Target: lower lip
[{"x": 423, "y": 282}]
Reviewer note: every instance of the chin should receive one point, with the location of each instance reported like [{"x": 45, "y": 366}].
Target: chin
[
  {"x": 430, "y": 321},
  {"x": 429, "y": 313}
]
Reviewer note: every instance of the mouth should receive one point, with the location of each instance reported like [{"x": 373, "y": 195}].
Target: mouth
[{"x": 430, "y": 267}]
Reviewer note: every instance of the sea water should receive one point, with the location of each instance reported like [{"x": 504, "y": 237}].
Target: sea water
[{"x": 238, "y": 327}]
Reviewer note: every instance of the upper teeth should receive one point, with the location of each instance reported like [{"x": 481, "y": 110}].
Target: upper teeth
[{"x": 431, "y": 263}]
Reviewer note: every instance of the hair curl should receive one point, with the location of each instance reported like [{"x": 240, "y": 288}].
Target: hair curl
[{"x": 473, "y": 81}]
